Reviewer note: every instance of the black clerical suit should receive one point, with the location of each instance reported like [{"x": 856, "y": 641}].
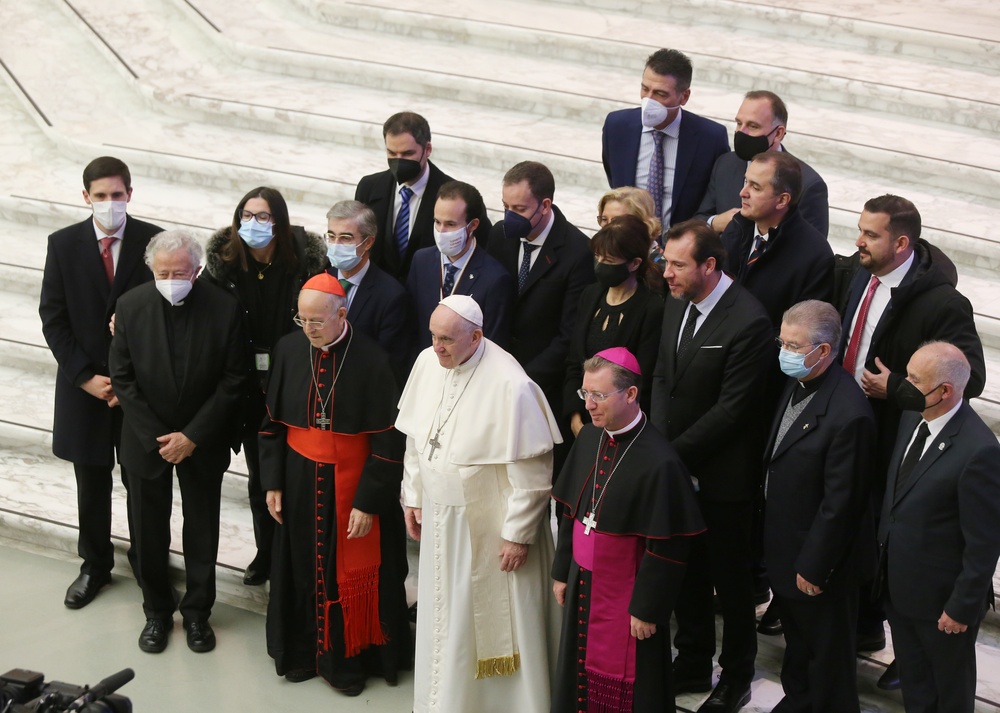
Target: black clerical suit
[
  {"x": 708, "y": 403},
  {"x": 379, "y": 191},
  {"x": 818, "y": 525},
  {"x": 76, "y": 305},
  {"x": 939, "y": 539},
  {"x": 178, "y": 369}
]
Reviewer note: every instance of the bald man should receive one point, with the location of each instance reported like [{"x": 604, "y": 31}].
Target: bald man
[{"x": 939, "y": 536}]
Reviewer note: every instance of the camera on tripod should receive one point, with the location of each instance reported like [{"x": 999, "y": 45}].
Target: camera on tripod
[{"x": 22, "y": 691}]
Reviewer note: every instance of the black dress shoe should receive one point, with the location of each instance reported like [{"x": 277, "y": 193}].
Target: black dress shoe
[
  {"x": 299, "y": 675},
  {"x": 889, "y": 681},
  {"x": 153, "y": 638},
  {"x": 352, "y": 690},
  {"x": 258, "y": 571},
  {"x": 770, "y": 622},
  {"x": 726, "y": 698},
  {"x": 200, "y": 636},
  {"x": 84, "y": 588}
]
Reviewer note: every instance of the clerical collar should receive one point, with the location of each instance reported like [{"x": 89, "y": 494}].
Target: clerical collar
[
  {"x": 623, "y": 431},
  {"x": 326, "y": 347},
  {"x": 473, "y": 361},
  {"x": 807, "y": 388}
]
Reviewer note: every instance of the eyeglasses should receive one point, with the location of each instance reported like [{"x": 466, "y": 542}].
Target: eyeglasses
[
  {"x": 596, "y": 396},
  {"x": 310, "y": 323},
  {"x": 343, "y": 238},
  {"x": 603, "y": 220},
  {"x": 262, "y": 217},
  {"x": 792, "y": 346}
]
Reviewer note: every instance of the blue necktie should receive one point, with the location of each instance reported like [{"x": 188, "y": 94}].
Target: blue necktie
[
  {"x": 522, "y": 274},
  {"x": 402, "y": 229},
  {"x": 449, "y": 279},
  {"x": 654, "y": 183},
  {"x": 758, "y": 249}
]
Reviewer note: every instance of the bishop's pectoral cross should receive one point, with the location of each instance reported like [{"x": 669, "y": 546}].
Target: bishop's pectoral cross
[
  {"x": 589, "y": 523},
  {"x": 434, "y": 444},
  {"x": 323, "y": 422}
]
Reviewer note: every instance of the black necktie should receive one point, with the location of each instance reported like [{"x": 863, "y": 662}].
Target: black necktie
[
  {"x": 912, "y": 456},
  {"x": 522, "y": 274},
  {"x": 688, "y": 334}
]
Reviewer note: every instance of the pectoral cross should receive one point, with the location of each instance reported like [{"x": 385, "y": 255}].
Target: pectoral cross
[
  {"x": 434, "y": 444},
  {"x": 323, "y": 422},
  {"x": 589, "y": 523}
]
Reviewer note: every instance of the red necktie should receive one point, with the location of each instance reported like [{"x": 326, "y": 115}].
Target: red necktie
[
  {"x": 851, "y": 357},
  {"x": 108, "y": 258}
]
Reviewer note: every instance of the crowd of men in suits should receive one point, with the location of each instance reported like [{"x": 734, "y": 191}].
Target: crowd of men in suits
[{"x": 857, "y": 422}]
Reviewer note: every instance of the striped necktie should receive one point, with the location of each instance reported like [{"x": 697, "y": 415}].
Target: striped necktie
[{"x": 402, "y": 229}]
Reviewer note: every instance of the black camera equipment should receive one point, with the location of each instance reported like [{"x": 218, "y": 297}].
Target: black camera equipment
[{"x": 22, "y": 691}]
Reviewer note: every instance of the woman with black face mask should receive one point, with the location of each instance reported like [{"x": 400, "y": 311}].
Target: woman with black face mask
[{"x": 619, "y": 310}]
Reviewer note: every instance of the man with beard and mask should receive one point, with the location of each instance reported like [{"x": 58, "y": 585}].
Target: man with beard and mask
[
  {"x": 939, "y": 536},
  {"x": 902, "y": 294},
  {"x": 178, "y": 363},
  {"x": 377, "y": 305},
  {"x": 760, "y": 126},
  {"x": 88, "y": 266},
  {"x": 458, "y": 265},
  {"x": 658, "y": 146},
  {"x": 403, "y": 196},
  {"x": 551, "y": 261}
]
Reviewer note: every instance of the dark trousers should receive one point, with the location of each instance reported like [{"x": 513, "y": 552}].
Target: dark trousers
[
  {"x": 937, "y": 670},
  {"x": 819, "y": 669},
  {"x": 263, "y": 523},
  {"x": 152, "y": 499},
  {"x": 94, "y": 484},
  {"x": 719, "y": 559}
]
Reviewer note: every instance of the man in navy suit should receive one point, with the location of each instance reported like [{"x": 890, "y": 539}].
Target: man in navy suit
[
  {"x": 377, "y": 305},
  {"x": 458, "y": 266},
  {"x": 403, "y": 196},
  {"x": 676, "y": 174},
  {"x": 87, "y": 267},
  {"x": 939, "y": 535},
  {"x": 760, "y": 127}
]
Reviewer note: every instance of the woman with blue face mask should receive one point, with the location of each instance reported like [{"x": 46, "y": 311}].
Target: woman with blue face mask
[{"x": 263, "y": 261}]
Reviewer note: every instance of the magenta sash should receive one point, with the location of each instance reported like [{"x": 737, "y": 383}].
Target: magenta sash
[{"x": 613, "y": 561}]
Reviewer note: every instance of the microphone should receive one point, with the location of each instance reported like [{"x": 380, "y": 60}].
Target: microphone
[{"x": 109, "y": 685}]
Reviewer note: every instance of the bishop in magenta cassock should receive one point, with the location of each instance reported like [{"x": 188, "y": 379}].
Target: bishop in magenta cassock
[{"x": 630, "y": 515}]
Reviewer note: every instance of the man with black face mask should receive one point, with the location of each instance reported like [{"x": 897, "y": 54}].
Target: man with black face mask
[
  {"x": 760, "y": 127},
  {"x": 939, "y": 537},
  {"x": 403, "y": 196}
]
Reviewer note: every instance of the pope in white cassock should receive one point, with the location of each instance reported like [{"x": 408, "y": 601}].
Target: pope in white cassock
[{"x": 477, "y": 476}]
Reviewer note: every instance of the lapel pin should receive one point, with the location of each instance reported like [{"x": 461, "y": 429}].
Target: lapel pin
[
  {"x": 940, "y": 446},
  {"x": 805, "y": 426}
]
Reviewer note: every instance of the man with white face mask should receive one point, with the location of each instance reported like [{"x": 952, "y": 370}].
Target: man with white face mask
[
  {"x": 377, "y": 305},
  {"x": 659, "y": 147},
  {"x": 178, "y": 363},
  {"x": 87, "y": 267},
  {"x": 458, "y": 265}
]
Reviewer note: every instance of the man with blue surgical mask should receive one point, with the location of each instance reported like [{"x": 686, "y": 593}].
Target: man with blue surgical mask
[
  {"x": 377, "y": 305},
  {"x": 660, "y": 147}
]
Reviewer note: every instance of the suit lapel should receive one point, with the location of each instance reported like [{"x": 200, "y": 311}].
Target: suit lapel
[
  {"x": 547, "y": 254},
  {"x": 858, "y": 283},
  {"x": 361, "y": 295},
  {"x": 935, "y": 449},
  {"x": 687, "y": 141},
  {"x": 130, "y": 257},
  {"x": 811, "y": 415},
  {"x": 673, "y": 314},
  {"x": 470, "y": 275},
  {"x": 391, "y": 251},
  {"x": 88, "y": 255},
  {"x": 712, "y": 322}
]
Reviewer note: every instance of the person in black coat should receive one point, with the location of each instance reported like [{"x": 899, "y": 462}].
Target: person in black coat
[
  {"x": 408, "y": 150},
  {"x": 939, "y": 535},
  {"x": 178, "y": 363},
  {"x": 78, "y": 298},
  {"x": 819, "y": 537},
  {"x": 263, "y": 261},
  {"x": 619, "y": 310}
]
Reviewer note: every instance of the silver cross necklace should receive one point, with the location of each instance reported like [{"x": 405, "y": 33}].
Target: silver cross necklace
[{"x": 590, "y": 521}]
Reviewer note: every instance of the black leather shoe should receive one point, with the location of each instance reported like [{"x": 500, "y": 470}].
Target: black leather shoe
[
  {"x": 84, "y": 588},
  {"x": 153, "y": 638},
  {"x": 200, "y": 636},
  {"x": 770, "y": 622},
  {"x": 872, "y": 641},
  {"x": 300, "y": 674},
  {"x": 353, "y": 690},
  {"x": 726, "y": 698},
  {"x": 258, "y": 571},
  {"x": 889, "y": 681}
]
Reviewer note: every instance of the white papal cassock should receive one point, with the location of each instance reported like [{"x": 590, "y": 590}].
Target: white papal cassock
[{"x": 486, "y": 640}]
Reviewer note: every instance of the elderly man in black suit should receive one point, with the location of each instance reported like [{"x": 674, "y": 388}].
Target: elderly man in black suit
[
  {"x": 178, "y": 364},
  {"x": 551, "y": 262},
  {"x": 458, "y": 265},
  {"x": 377, "y": 305},
  {"x": 760, "y": 126},
  {"x": 87, "y": 268},
  {"x": 717, "y": 347},
  {"x": 939, "y": 535},
  {"x": 403, "y": 196},
  {"x": 819, "y": 537}
]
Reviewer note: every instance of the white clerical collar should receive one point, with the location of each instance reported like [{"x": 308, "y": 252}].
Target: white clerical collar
[
  {"x": 635, "y": 422},
  {"x": 473, "y": 361},
  {"x": 894, "y": 278},
  {"x": 326, "y": 347},
  {"x": 673, "y": 129},
  {"x": 120, "y": 233},
  {"x": 538, "y": 241}
]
